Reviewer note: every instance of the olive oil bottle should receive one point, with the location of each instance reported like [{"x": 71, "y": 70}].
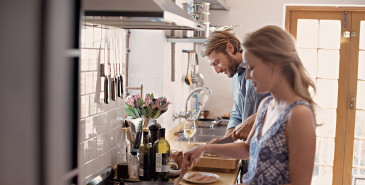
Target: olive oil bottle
[{"x": 161, "y": 156}]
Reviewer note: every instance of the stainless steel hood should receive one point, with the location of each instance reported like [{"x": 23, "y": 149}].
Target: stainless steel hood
[{"x": 139, "y": 14}]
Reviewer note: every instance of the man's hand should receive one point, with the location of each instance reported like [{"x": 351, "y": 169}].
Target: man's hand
[
  {"x": 243, "y": 129},
  {"x": 228, "y": 133},
  {"x": 214, "y": 140}
]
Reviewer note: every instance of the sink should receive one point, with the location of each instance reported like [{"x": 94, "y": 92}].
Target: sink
[{"x": 204, "y": 134}]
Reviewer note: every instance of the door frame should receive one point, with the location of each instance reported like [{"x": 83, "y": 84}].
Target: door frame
[{"x": 345, "y": 121}]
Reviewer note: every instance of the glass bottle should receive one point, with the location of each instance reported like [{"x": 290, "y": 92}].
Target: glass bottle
[
  {"x": 145, "y": 157},
  {"x": 162, "y": 153},
  {"x": 123, "y": 155},
  {"x": 133, "y": 166},
  {"x": 153, "y": 127}
]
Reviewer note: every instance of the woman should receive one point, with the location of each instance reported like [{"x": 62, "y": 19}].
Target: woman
[{"x": 281, "y": 145}]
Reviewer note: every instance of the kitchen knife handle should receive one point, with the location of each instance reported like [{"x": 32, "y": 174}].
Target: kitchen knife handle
[
  {"x": 121, "y": 85},
  {"x": 106, "y": 90},
  {"x": 118, "y": 82},
  {"x": 196, "y": 59},
  {"x": 115, "y": 88},
  {"x": 112, "y": 91}
]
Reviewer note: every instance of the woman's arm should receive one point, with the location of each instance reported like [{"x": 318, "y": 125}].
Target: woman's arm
[
  {"x": 301, "y": 140},
  {"x": 238, "y": 150},
  {"x": 232, "y": 150}
]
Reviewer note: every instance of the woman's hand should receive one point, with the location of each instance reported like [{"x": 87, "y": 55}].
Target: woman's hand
[{"x": 191, "y": 156}]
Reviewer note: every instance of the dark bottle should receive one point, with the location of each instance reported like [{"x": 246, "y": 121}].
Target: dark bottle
[
  {"x": 162, "y": 153},
  {"x": 153, "y": 127},
  {"x": 145, "y": 157},
  {"x": 123, "y": 155}
]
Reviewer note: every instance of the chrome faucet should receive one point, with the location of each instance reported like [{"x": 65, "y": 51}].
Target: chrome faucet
[
  {"x": 187, "y": 114},
  {"x": 192, "y": 92}
]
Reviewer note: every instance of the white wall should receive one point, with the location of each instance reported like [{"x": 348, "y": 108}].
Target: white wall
[
  {"x": 250, "y": 15},
  {"x": 150, "y": 65}
]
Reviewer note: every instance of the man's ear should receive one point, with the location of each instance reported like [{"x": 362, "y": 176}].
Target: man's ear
[{"x": 229, "y": 48}]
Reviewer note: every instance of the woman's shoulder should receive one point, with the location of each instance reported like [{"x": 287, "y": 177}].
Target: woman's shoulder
[{"x": 301, "y": 113}]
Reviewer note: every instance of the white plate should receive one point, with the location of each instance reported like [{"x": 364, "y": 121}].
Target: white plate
[{"x": 201, "y": 182}]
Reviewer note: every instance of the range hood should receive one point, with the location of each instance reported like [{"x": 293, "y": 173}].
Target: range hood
[{"x": 139, "y": 14}]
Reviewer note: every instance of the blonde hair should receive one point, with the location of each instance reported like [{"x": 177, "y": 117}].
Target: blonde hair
[
  {"x": 274, "y": 45},
  {"x": 217, "y": 42}
]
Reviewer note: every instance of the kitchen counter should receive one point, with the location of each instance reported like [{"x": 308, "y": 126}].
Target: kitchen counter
[{"x": 227, "y": 177}]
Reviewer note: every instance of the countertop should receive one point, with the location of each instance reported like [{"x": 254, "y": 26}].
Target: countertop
[{"x": 226, "y": 178}]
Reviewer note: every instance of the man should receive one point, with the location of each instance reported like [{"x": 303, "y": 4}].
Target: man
[{"x": 225, "y": 54}]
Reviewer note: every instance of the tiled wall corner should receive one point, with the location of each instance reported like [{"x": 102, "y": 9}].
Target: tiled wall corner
[{"x": 100, "y": 124}]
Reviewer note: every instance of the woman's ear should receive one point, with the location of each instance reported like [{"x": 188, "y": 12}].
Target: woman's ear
[{"x": 229, "y": 48}]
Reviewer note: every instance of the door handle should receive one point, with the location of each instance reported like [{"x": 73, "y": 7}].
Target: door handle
[{"x": 352, "y": 102}]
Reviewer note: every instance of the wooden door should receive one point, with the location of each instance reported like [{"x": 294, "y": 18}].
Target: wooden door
[
  {"x": 329, "y": 49},
  {"x": 354, "y": 162}
]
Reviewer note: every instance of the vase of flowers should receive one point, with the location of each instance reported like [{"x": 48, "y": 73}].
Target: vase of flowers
[{"x": 148, "y": 108}]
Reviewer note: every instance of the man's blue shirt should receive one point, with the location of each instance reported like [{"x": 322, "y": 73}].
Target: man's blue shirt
[{"x": 246, "y": 100}]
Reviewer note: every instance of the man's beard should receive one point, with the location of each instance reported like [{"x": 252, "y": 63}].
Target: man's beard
[{"x": 232, "y": 65}]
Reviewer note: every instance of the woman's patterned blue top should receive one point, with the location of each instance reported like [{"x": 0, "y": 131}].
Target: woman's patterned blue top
[{"x": 269, "y": 156}]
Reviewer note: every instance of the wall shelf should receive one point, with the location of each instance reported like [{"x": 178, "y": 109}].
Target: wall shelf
[
  {"x": 185, "y": 40},
  {"x": 215, "y": 4}
]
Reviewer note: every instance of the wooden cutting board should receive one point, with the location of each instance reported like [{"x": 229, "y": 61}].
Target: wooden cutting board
[{"x": 216, "y": 162}]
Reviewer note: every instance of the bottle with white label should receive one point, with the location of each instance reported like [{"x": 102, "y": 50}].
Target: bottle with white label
[
  {"x": 133, "y": 166},
  {"x": 162, "y": 154}
]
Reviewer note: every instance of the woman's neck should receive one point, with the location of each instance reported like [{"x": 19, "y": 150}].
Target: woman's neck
[{"x": 283, "y": 94}]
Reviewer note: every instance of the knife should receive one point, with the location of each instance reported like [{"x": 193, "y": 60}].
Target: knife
[{"x": 228, "y": 139}]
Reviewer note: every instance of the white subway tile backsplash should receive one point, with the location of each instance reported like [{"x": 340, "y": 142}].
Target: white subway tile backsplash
[
  {"x": 102, "y": 41},
  {"x": 84, "y": 106},
  {"x": 89, "y": 83},
  {"x": 89, "y": 169},
  {"x": 83, "y": 152},
  {"x": 92, "y": 105},
  {"x": 83, "y": 29},
  {"x": 89, "y": 37},
  {"x": 97, "y": 37},
  {"x": 89, "y": 129},
  {"x": 82, "y": 173},
  {"x": 82, "y": 83},
  {"x": 96, "y": 80},
  {"x": 85, "y": 58},
  {"x": 99, "y": 129},
  {"x": 94, "y": 56},
  {"x": 99, "y": 145},
  {"x": 92, "y": 148}
]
